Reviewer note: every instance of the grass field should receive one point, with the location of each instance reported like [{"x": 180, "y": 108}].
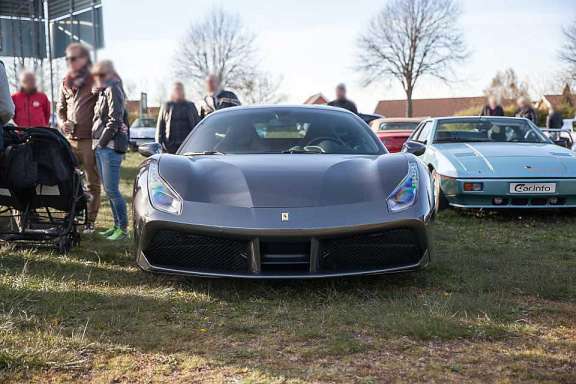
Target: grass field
[{"x": 498, "y": 304}]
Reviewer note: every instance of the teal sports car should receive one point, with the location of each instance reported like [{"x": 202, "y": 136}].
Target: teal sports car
[{"x": 494, "y": 163}]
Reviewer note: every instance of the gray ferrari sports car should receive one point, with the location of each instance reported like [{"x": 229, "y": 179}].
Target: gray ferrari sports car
[{"x": 281, "y": 192}]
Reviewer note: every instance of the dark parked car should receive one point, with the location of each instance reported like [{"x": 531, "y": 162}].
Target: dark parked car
[{"x": 281, "y": 192}]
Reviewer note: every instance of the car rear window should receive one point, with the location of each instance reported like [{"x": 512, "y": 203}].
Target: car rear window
[{"x": 400, "y": 126}]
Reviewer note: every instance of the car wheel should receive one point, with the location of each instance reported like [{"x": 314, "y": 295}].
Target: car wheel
[{"x": 440, "y": 200}]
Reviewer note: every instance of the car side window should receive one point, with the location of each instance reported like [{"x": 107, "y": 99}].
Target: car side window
[
  {"x": 416, "y": 132},
  {"x": 424, "y": 133}
]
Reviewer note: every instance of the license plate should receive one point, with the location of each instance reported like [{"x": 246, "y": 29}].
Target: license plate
[{"x": 532, "y": 188}]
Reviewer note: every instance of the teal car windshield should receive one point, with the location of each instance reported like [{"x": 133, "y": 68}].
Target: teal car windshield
[{"x": 488, "y": 130}]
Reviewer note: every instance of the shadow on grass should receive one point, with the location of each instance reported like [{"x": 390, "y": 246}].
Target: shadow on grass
[{"x": 249, "y": 325}]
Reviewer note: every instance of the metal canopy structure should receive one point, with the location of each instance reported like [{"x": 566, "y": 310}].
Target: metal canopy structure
[
  {"x": 21, "y": 8},
  {"x": 42, "y": 29},
  {"x": 24, "y": 25},
  {"x": 22, "y": 29}
]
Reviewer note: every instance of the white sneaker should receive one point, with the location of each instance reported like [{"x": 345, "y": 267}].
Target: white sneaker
[{"x": 89, "y": 229}]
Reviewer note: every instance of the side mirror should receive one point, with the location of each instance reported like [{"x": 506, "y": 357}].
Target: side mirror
[
  {"x": 415, "y": 148},
  {"x": 563, "y": 143},
  {"x": 150, "y": 149}
]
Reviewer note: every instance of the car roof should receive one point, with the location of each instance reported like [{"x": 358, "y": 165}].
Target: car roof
[
  {"x": 400, "y": 120},
  {"x": 475, "y": 118},
  {"x": 283, "y": 106}
]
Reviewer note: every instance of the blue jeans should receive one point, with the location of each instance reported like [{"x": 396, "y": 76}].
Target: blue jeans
[{"x": 109, "y": 163}]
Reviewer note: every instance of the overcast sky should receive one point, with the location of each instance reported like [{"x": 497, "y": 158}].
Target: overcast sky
[{"x": 311, "y": 44}]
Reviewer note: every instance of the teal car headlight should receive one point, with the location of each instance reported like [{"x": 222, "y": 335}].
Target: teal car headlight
[
  {"x": 404, "y": 195},
  {"x": 162, "y": 196}
]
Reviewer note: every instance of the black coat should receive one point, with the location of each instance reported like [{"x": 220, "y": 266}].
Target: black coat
[
  {"x": 554, "y": 121},
  {"x": 110, "y": 116},
  {"x": 345, "y": 104},
  {"x": 170, "y": 130},
  {"x": 487, "y": 111},
  {"x": 527, "y": 113}
]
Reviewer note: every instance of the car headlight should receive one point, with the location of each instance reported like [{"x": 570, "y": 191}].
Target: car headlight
[
  {"x": 404, "y": 195},
  {"x": 162, "y": 196}
]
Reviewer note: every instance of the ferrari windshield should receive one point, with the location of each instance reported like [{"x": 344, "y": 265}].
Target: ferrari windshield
[
  {"x": 488, "y": 130},
  {"x": 282, "y": 130}
]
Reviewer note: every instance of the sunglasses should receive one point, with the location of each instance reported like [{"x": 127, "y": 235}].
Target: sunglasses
[{"x": 72, "y": 59}]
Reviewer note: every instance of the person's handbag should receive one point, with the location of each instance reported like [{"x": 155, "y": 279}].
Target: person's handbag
[{"x": 122, "y": 139}]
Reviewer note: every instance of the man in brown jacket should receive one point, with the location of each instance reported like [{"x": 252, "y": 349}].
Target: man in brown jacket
[{"x": 75, "y": 115}]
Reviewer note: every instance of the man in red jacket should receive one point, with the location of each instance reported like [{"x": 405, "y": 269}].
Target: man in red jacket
[{"x": 32, "y": 107}]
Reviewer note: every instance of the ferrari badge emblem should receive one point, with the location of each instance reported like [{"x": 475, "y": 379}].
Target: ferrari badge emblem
[{"x": 285, "y": 216}]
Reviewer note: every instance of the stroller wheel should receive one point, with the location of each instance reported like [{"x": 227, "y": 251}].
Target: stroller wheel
[
  {"x": 75, "y": 239},
  {"x": 64, "y": 244}
]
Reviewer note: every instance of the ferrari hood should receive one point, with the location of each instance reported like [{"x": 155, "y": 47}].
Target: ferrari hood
[
  {"x": 509, "y": 160},
  {"x": 283, "y": 181}
]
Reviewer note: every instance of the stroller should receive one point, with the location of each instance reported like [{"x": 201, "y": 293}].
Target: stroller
[{"x": 42, "y": 200}]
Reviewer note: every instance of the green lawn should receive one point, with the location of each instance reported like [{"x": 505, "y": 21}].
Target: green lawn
[{"x": 498, "y": 304}]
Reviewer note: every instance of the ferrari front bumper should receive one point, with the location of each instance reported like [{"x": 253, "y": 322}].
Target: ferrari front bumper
[{"x": 391, "y": 246}]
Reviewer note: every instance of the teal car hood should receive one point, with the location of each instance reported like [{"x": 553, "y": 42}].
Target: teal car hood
[{"x": 507, "y": 160}]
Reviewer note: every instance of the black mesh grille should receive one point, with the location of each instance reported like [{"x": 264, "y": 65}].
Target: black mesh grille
[
  {"x": 390, "y": 249},
  {"x": 171, "y": 249}
]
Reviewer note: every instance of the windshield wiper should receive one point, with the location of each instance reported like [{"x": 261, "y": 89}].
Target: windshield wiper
[
  {"x": 460, "y": 140},
  {"x": 305, "y": 150},
  {"x": 205, "y": 153}
]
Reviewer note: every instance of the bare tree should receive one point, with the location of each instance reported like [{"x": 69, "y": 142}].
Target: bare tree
[
  {"x": 409, "y": 39},
  {"x": 568, "y": 52},
  {"x": 262, "y": 88},
  {"x": 505, "y": 85},
  {"x": 218, "y": 44}
]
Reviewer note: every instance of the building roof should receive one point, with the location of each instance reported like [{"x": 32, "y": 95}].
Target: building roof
[
  {"x": 557, "y": 100},
  {"x": 429, "y": 107},
  {"x": 318, "y": 98}
]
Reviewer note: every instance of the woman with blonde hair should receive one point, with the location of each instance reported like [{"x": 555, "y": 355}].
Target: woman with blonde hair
[{"x": 110, "y": 141}]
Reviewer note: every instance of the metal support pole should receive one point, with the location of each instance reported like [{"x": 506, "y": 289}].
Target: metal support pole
[
  {"x": 94, "y": 31},
  {"x": 49, "y": 37}
]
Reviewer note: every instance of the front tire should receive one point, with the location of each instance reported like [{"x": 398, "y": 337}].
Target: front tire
[{"x": 440, "y": 200}]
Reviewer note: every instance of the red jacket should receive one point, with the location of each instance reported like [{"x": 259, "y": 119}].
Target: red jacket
[{"x": 32, "y": 109}]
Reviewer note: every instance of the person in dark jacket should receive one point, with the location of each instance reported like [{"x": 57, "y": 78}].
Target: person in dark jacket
[
  {"x": 110, "y": 141},
  {"x": 554, "y": 120},
  {"x": 492, "y": 108},
  {"x": 342, "y": 101},
  {"x": 177, "y": 119},
  {"x": 525, "y": 110},
  {"x": 75, "y": 112},
  {"x": 217, "y": 98},
  {"x": 6, "y": 104}
]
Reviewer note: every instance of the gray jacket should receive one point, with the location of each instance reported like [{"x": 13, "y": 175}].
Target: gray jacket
[
  {"x": 220, "y": 100},
  {"x": 6, "y": 104},
  {"x": 109, "y": 117}
]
